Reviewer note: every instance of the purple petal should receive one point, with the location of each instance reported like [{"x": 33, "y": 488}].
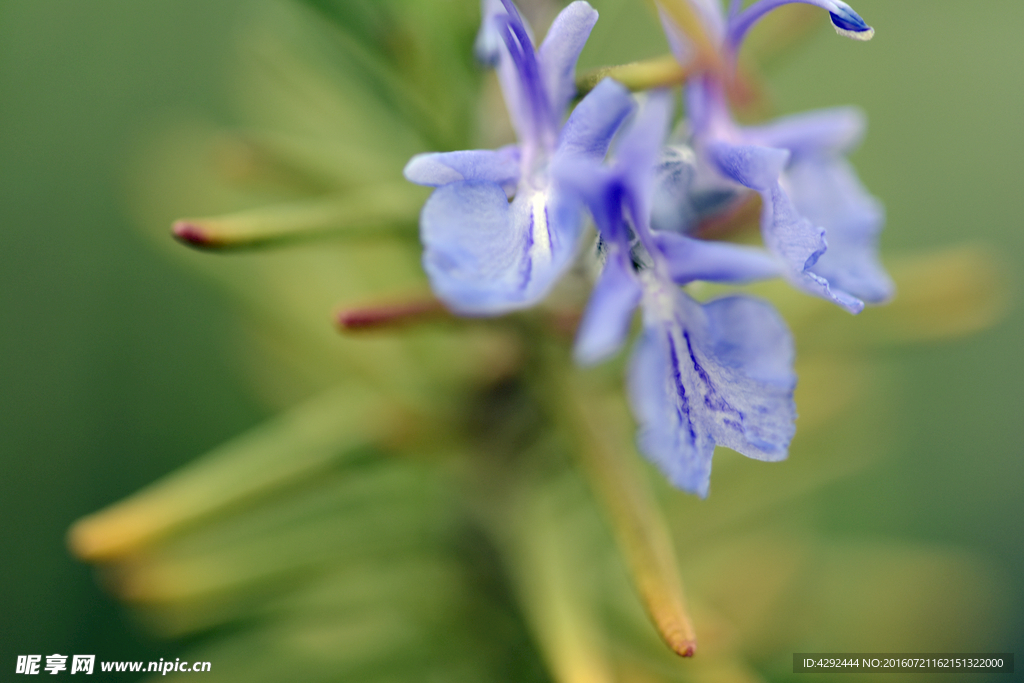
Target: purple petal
[
  {"x": 595, "y": 120},
  {"x": 691, "y": 259},
  {"x": 560, "y": 51},
  {"x": 844, "y": 19},
  {"x": 499, "y": 166},
  {"x": 598, "y": 187},
  {"x": 800, "y": 244},
  {"x": 638, "y": 151},
  {"x": 720, "y": 374},
  {"x": 706, "y": 109},
  {"x": 637, "y": 154},
  {"x": 828, "y": 193},
  {"x": 752, "y": 166},
  {"x": 489, "y": 44},
  {"x": 750, "y": 337},
  {"x": 536, "y": 124},
  {"x": 485, "y": 256},
  {"x": 630, "y": 182},
  {"x": 506, "y": 42},
  {"x": 826, "y": 131},
  {"x": 788, "y": 234},
  {"x": 605, "y": 323}
]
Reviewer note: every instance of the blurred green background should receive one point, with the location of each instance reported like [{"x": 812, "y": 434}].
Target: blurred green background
[{"x": 116, "y": 366}]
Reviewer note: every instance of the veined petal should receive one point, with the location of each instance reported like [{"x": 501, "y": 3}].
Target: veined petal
[
  {"x": 440, "y": 168},
  {"x": 595, "y": 120},
  {"x": 828, "y": 239},
  {"x": 828, "y": 193},
  {"x": 793, "y": 238},
  {"x": 690, "y": 259},
  {"x": 720, "y": 374},
  {"x": 555, "y": 221},
  {"x": 800, "y": 244},
  {"x": 519, "y": 73},
  {"x": 471, "y": 246},
  {"x": 605, "y": 323},
  {"x": 516, "y": 102},
  {"x": 560, "y": 51},
  {"x": 485, "y": 256},
  {"x": 826, "y": 131}
]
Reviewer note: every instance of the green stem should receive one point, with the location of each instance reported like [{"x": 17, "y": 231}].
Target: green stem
[
  {"x": 301, "y": 442},
  {"x": 659, "y": 72},
  {"x": 368, "y": 213},
  {"x": 603, "y": 433}
]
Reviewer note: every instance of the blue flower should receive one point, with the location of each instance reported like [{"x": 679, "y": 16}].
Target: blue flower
[
  {"x": 497, "y": 232},
  {"x": 817, "y": 217},
  {"x": 701, "y": 375},
  {"x": 503, "y": 225}
]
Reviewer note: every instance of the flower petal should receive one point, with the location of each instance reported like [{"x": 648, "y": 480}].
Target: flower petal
[
  {"x": 597, "y": 186},
  {"x": 506, "y": 42},
  {"x": 826, "y": 131},
  {"x": 560, "y": 51},
  {"x": 846, "y": 22},
  {"x": 720, "y": 374},
  {"x": 440, "y": 168},
  {"x": 690, "y": 259},
  {"x": 636, "y": 157},
  {"x": 789, "y": 234},
  {"x": 800, "y": 244},
  {"x": 595, "y": 120},
  {"x": 630, "y": 182},
  {"x": 752, "y": 166},
  {"x": 638, "y": 152},
  {"x": 828, "y": 193},
  {"x": 485, "y": 256},
  {"x": 605, "y": 323},
  {"x": 489, "y": 44}
]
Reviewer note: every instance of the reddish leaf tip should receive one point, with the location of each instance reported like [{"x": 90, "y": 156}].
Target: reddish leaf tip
[
  {"x": 191, "y": 234},
  {"x": 394, "y": 315},
  {"x": 685, "y": 648}
]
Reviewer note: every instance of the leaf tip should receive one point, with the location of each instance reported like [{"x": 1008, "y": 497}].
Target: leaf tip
[{"x": 192, "y": 234}]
